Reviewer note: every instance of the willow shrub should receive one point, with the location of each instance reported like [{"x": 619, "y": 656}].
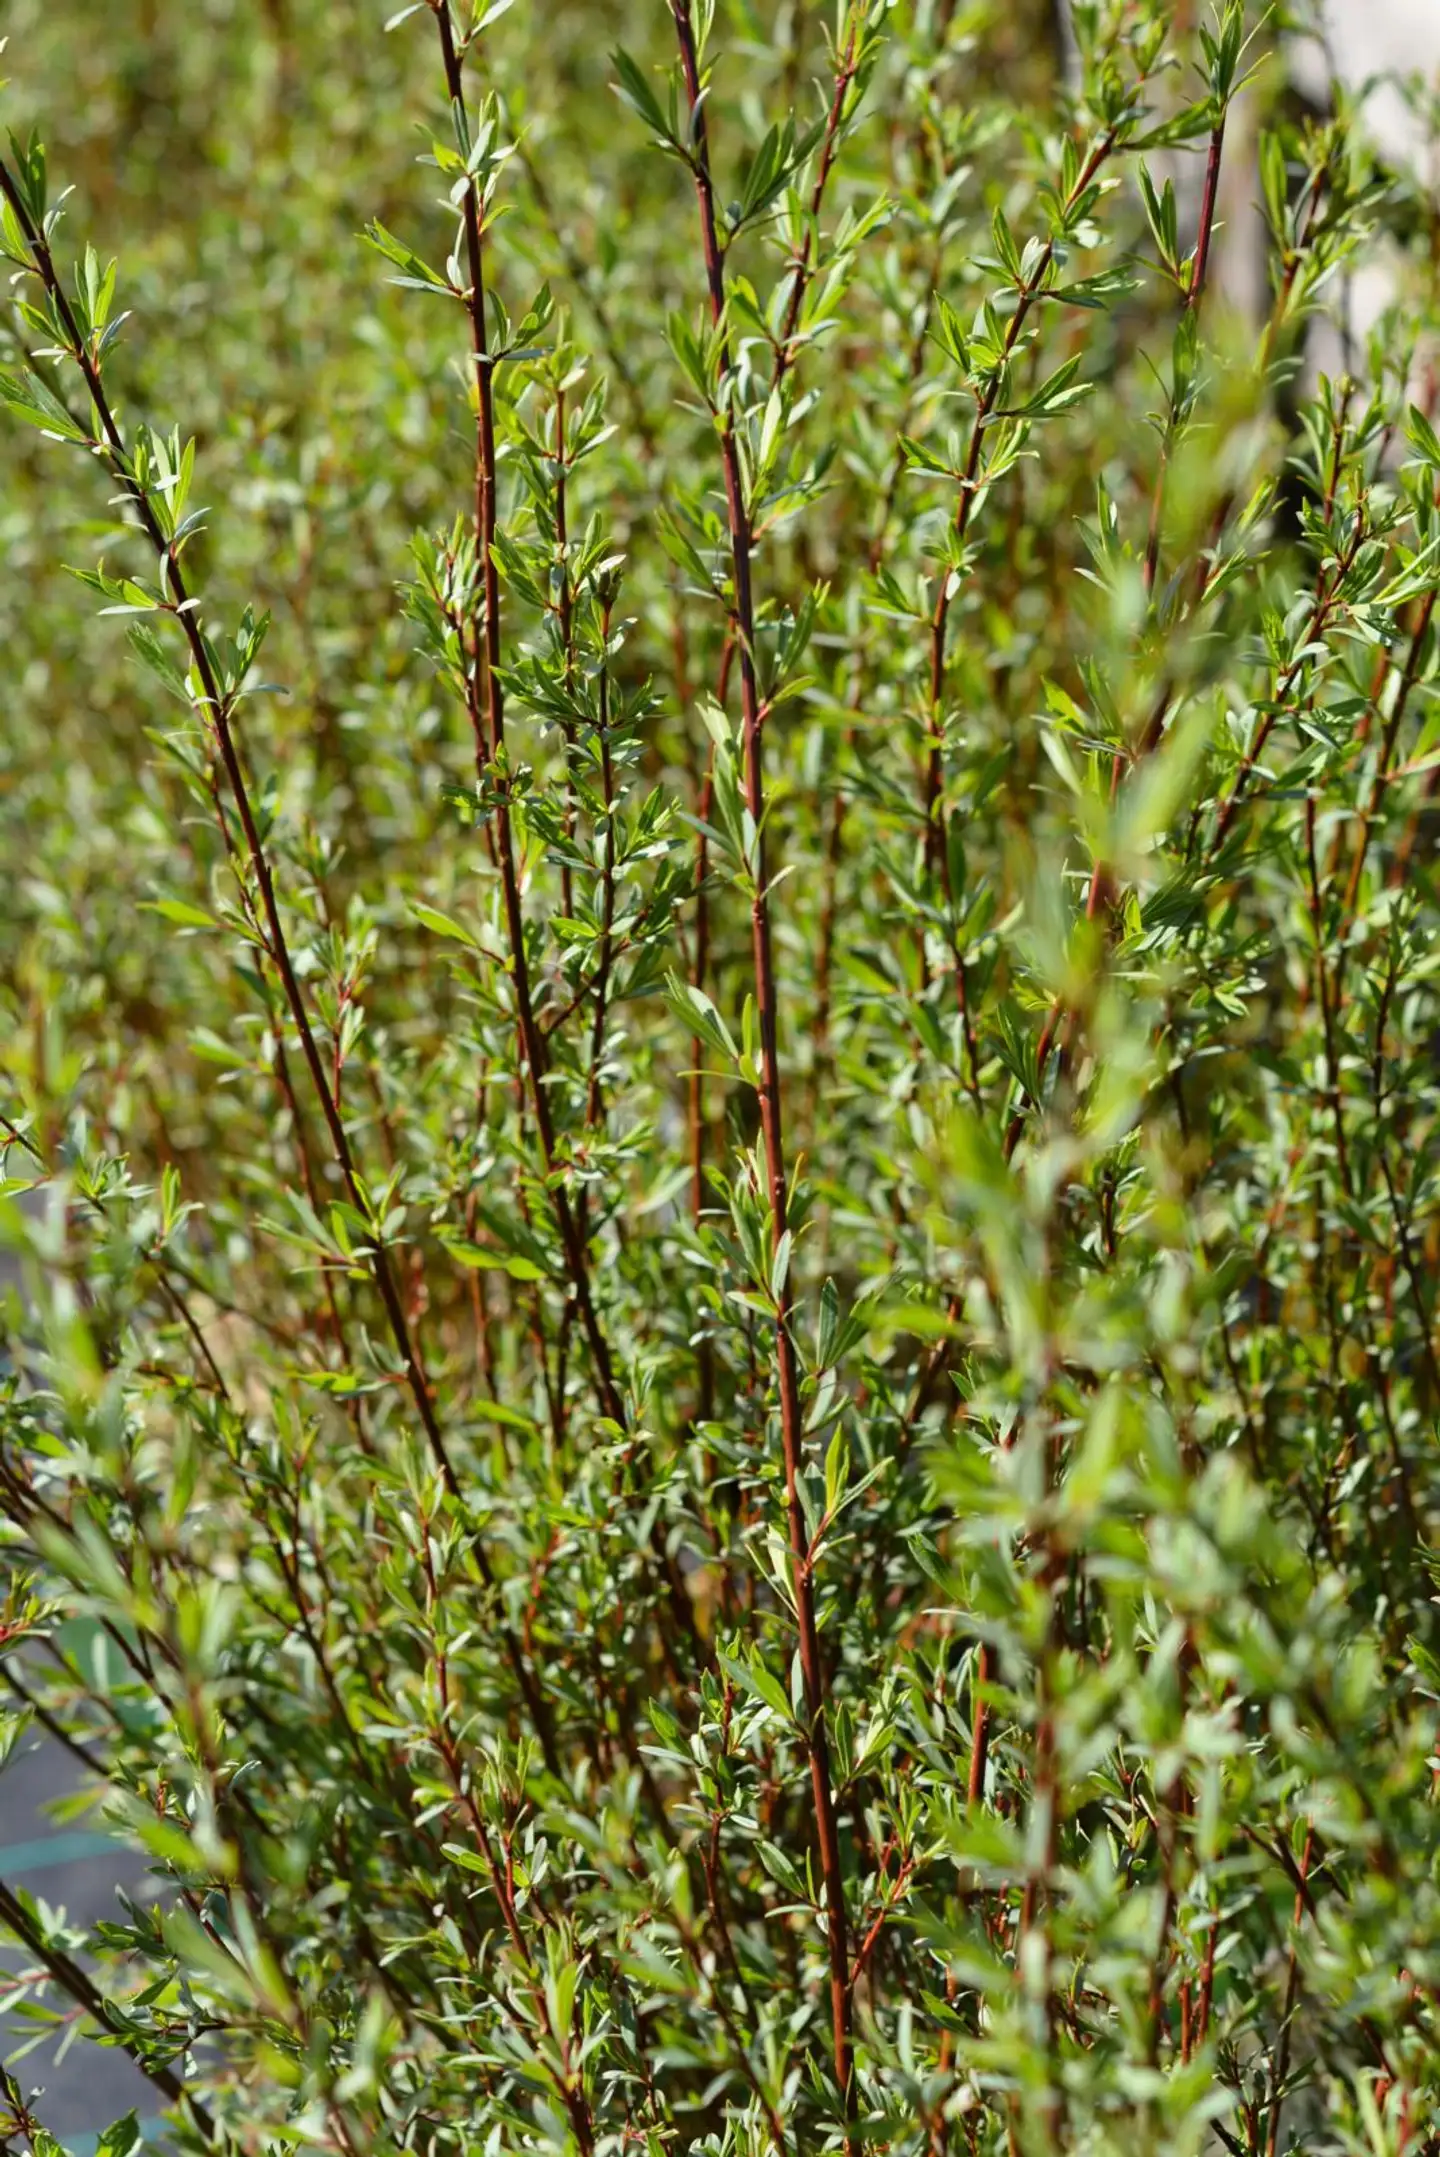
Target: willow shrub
[{"x": 720, "y": 1419}]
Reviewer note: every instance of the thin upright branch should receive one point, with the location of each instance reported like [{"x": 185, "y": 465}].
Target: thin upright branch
[
  {"x": 81, "y": 1988},
  {"x": 487, "y": 708},
  {"x": 753, "y": 714},
  {"x": 218, "y": 709}
]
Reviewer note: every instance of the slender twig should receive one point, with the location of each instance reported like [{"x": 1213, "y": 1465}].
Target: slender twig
[
  {"x": 1281, "y": 2065},
  {"x": 1194, "y": 289},
  {"x": 1408, "y": 679},
  {"x": 218, "y": 709},
  {"x": 71, "y": 1979},
  {"x": 486, "y": 702},
  {"x": 487, "y": 708},
  {"x": 1027, "y": 293},
  {"x": 753, "y": 713}
]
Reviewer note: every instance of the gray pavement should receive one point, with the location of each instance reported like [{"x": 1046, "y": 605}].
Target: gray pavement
[
  {"x": 79, "y": 1871},
  {"x": 73, "y": 1867}
]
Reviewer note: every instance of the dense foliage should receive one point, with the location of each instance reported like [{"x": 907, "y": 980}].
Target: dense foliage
[{"x": 719, "y": 1078}]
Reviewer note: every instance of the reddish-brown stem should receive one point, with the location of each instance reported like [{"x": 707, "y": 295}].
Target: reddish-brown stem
[
  {"x": 986, "y": 402},
  {"x": 737, "y": 2038},
  {"x": 1193, "y": 290},
  {"x": 1046, "y": 1795},
  {"x": 888, "y": 1905},
  {"x": 804, "y": 265},
  {"x": 1207, "y": 1981},
  {"x": 1287, "y": 2015},
  {"x": 1325, "y": 602},
  {"x": 803, "y": 271},
  {"x": 68, "y": 1974},
  {"x": 979, "y": 1723},
  {"x": 218, "y": 710},
  {"x": 1194, "y": 293},
  {"x": 487, "y": 716},
  {"x": 788, "y": 1371},
  {"x": 698, "y": 975},
  {"x": 1412, "y": 1270},
  {"x": 1387, "y": 749},
  {"x": 565, "y": 610},
  {"x": 488, "y": 722},
  {"x": 825, "y": 955},
  {"x": 834, "y": 845},
  {"x": 1294, "y": 258},
  {"x": 705, "y": 1351},
  {"x": 462, "y": 1784},
  {"x": 594, "y": 1091},
  {"x": 1325, "y": 999}
]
